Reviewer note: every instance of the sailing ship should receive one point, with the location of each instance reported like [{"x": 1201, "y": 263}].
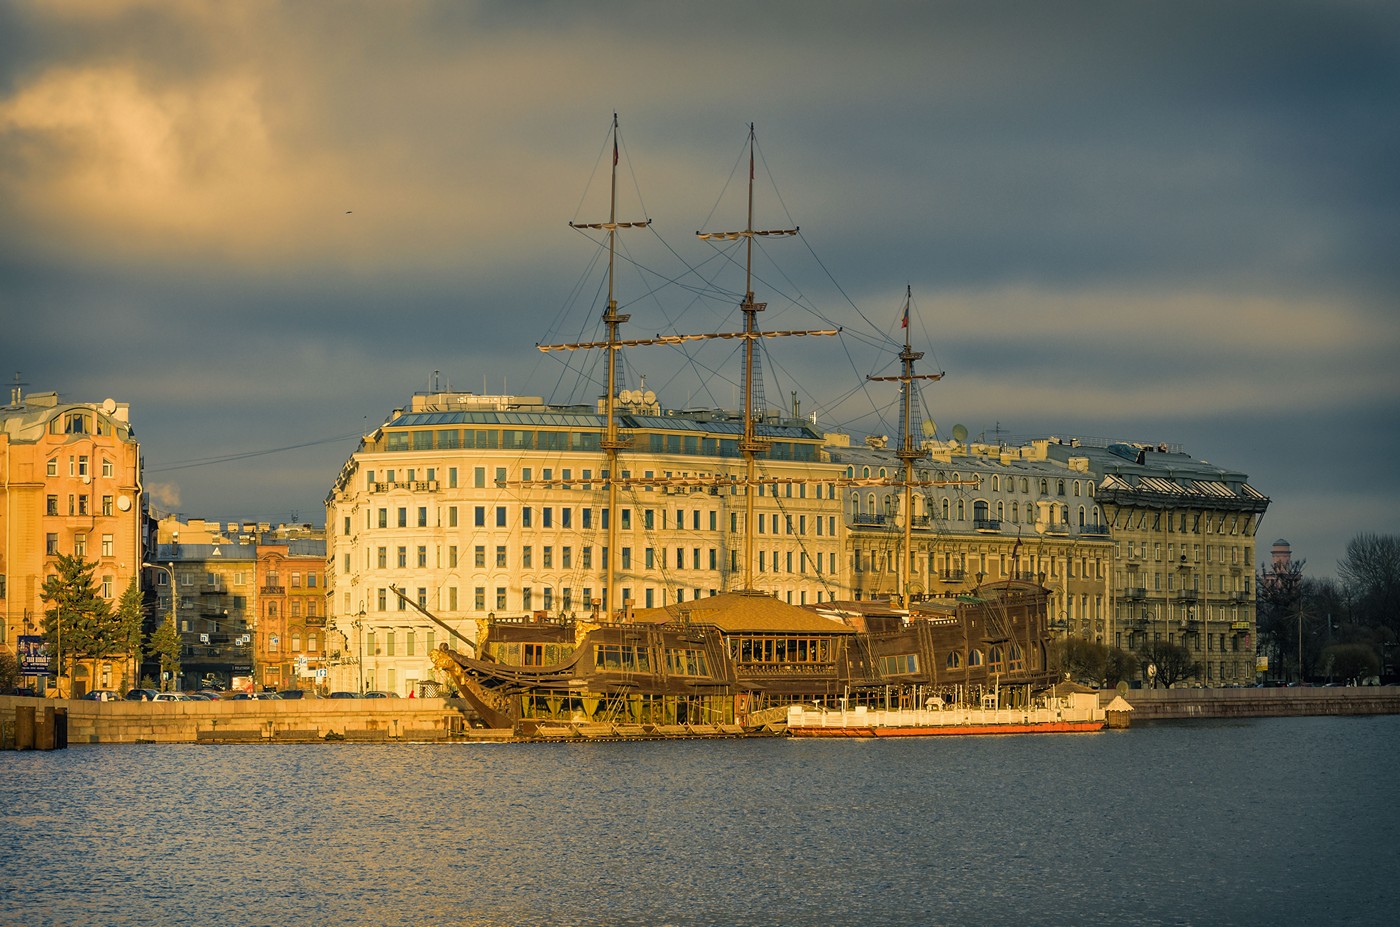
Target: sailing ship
[{"x": 737, "y": 661}]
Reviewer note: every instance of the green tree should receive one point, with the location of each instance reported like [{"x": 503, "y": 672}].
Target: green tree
[
  {"x": 9, "y": 672},
  {"x": 164, "y": 643},
  {"x": 78, "y": 622},
  {"x": 1172, "y": 661},
  {"x": 129, "y": 617}
]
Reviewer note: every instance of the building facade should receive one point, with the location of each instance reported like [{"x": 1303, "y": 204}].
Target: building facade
[
  {"x": 214, "y": 602},
  {"x": 290, "y": 633},
  {"x": 466, "y": 506},
  {"x": 476, "y": 505},
  {"x": 70, "y": 483}
]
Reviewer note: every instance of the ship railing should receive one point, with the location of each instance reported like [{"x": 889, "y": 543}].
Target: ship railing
[{"x": 862, "y": 717}]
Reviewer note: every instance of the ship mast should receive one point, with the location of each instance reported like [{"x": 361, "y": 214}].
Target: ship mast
[
  {"x": 612, "y": 442},
  {"x": 751, "y": 445},
  {"x": 907, "y": 452}
]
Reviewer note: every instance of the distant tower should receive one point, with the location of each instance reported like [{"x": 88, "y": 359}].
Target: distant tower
[{"x": 1282, "y": 554}]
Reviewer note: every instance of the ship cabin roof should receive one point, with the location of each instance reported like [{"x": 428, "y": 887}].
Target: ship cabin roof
[{"x": 745, "y": 612}]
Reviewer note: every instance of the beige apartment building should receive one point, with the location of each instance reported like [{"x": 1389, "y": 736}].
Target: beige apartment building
[
  {"x": 70, "y": 483},
  {"x": 481, "y": 505}
]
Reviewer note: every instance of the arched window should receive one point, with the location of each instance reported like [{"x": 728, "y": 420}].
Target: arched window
[
  {"x": 995, "y": 658},
  {"x": 1045, "y": 487},
  {"x": 979, "y": 510},
  {"x": 1081, "y": 515},
  {"x": 889, "y": 503},
  {"x": 974, "y": 658},
  {"x": 882, "y": 473},
  {"x": 954, "y": 659},
  {"x": 865, "y": 472},
  {"x": 1076, "y": 487},
  {"x": 870, "y": 499},
  {"x": 996, "y": 483},
  {"x": 296, "y": 643},
  {"x": 855, "y": 503},
  {"x": 1059, "y": 487},
  {"x": 1025, "y": 485},
  {"x": 1015, "y": 514},
  {"x": 945, "y": 509},
  {"x": 1001, "y": 510},
  {"x": 272, "y": 609},
  {"x": 962, "y": 510}
]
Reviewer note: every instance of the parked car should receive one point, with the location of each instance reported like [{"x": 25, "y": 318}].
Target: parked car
[
  {"x": 141, "y": 695},
  {"x": 170, "y": 697},
  {"x": 344, "y": 695},
  {"x": 102, "y": 695},
  {"x": 381, "y": 695}
]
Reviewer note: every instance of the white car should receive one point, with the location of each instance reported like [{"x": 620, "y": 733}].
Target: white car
[{"x": 170, "y": 697}]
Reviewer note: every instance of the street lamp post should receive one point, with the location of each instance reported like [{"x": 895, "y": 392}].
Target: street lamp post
[{"x": 359, "y": 625}]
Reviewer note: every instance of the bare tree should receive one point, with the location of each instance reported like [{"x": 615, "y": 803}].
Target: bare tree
[{"x": 1371, "y": 572}]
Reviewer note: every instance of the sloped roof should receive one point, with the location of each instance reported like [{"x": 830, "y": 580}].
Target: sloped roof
[{"x": 745, "y": 611}]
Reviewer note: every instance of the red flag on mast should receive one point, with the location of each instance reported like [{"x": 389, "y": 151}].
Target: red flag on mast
[{"x": 904, "y": 323}]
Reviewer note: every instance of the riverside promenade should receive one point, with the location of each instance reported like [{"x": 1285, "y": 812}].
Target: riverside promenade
[
  {"x": 1186, "y": 704},
  {"x": 403, "y": 720}
]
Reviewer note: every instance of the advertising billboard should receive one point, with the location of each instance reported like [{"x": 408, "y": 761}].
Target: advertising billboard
[{"x": 34, "y": 656}]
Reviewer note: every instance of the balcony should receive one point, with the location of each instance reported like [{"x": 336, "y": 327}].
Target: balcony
[
  {"x": 921, "y": 521},
  {"x": 1097, "y": 530},
  {"x": 410, "y": 485},
  {"x": 953, "y": 576},
  {"x": 1137, "y": 593},
  {"x": 986, "y": 525},
  {"x": 1187, "y": 596},
  {"x": 213, "y": 589},
  {"x": 273, "y": 590},
  {"x": 869, "y": 518}
]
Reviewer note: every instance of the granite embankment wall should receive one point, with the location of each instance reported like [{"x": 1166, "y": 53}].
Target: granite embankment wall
[
  {"x": 1178, "y": 704},
  {"x": 261, "y": 721}
]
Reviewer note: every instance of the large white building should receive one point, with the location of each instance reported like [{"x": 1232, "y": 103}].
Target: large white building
[{"x": 483, "y": 505}]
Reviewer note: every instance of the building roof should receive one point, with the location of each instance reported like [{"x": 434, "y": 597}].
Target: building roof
[{"x": 736, "y": 612}]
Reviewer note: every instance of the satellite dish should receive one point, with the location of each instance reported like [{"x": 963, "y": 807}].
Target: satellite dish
[
  {"x": 109, "y": 406},
  {"x": 959, "y": 432},
  {"x": 626, "y": 396},
  {"x": 648, "y": 397},
  {"x": 930, "y": 429}
]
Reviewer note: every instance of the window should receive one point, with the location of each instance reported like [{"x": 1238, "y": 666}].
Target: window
[
  {"x": 479, "y": 557},
  {"x": 80, "y": 545},
  {"x": 52, "y": 508},
  {"x": 107, "y": 506},
  {"x": 53, "y": 467},
  {"x": 403, "y": 557},
  {"x": 108, "y": 545},
  {"x": 422, "y": 516},
  {"x": 422, "y": 556},
  {"x": 500, "y": 555}
]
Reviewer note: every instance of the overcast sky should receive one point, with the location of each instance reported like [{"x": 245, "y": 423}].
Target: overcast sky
[{"x": 265, "y": 225}]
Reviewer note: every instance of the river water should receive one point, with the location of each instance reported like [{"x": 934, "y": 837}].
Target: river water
[{"x": 1267, "y": 821}]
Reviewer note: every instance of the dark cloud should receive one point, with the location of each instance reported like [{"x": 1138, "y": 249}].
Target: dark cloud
[{"x": 268, "y": 223}]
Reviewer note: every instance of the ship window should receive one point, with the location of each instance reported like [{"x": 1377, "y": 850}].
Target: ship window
[
  {"x": 899, "y": 665},
  {"x": 974, "y": 658},
  {"x": 954, "y": 659}
]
